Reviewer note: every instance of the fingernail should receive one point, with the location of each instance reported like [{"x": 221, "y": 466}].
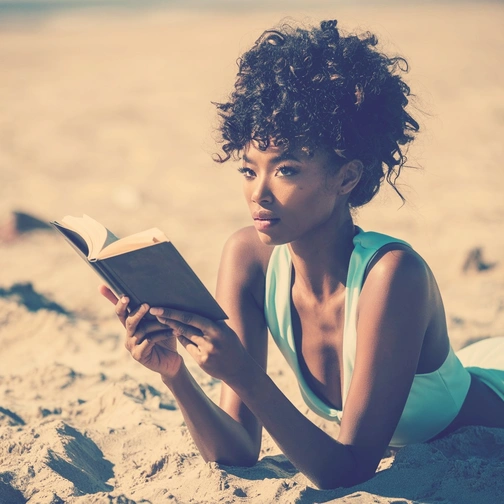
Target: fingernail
[
  {"x": 145, "y": 306},
  {"x": 156, "y": 311},
  {"x": 124, "y": 299}
]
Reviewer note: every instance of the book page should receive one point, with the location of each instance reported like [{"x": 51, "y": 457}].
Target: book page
[
  {"x": 74, "y": 238},
  {"x": 96, "y": 235},
  {"x": 100, "y": 236},
  {"x": 75, "y": 224},
  {"x": 133, "y": 242}
]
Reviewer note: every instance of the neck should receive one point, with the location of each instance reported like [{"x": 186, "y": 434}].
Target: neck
[{"x": 321, "y": 260}]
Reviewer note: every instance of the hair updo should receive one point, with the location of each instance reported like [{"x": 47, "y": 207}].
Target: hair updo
[{"x": 319, "y": 88}]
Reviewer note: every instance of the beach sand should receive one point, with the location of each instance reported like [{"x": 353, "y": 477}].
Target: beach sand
[{"x": 110, "y": 114}]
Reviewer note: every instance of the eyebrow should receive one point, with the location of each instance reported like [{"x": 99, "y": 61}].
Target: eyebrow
[{"x": 285, "y": 156}]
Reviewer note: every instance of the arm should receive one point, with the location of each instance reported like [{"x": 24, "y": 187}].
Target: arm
[
  {"x": 394, "y": 312},
  {"x": 396, "y": 307},
  {"x": 393, "y": 316},
  {"x": 218, "y": 436},
  {"x": 229, "y": 434}
]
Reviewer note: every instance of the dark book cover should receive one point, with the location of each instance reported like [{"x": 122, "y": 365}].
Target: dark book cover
[{"x": 157, "y": 275}]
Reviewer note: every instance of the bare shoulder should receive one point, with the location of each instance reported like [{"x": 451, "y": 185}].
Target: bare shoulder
[
  {"x": 244, "y": 249},
  {"x": 400, "y": 296},
  {"x": 398, "y": 274},
  {"x": 399, "y": 264},
  {"x": 244, "y": 262}
]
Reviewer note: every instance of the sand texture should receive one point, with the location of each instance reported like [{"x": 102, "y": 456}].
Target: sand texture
[{"x": 110, "y": 114}]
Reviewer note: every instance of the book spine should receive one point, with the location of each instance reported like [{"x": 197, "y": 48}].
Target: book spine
[{"x": 114, "y": 283}]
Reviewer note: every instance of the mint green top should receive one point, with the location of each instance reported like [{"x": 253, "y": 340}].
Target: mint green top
[{"x": 434, "y": 399}]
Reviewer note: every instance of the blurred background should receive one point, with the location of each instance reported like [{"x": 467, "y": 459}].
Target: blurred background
[{"x": 106, "y": 110}]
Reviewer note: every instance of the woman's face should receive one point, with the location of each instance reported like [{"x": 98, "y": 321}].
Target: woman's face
[{"x": 292, "y": 195}]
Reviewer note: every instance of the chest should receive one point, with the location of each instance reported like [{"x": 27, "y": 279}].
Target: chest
[{"x": 318, "y": 334}]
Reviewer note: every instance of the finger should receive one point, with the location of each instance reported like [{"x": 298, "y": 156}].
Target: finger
[
  {"x": 151, "y": 330},
  {"x": 192, "y": 333},
  {"x": 143, "y": 349},
  {"x": 134, "y": 319},
  {"x": 191, "y": 319},
  {"x": 164, "y": 339},
  {"x": 191, "y": 348},
  {"x": 160, "y": 337},
  {"x": 121, "y": 309},
  {"x": 107, "y": 293},
  {"x": 147, "y": 330},
  {"x": 153, "y": 326}
]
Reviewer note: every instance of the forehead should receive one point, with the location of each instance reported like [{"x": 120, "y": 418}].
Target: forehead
[
  {"x": 274, "y": 153},
  {"x": 253, "y": 153}
]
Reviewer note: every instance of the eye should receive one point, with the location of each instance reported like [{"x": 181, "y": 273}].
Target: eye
[
  {"x": 286, "y": 171},
  {"x": 246, "y": 172}
]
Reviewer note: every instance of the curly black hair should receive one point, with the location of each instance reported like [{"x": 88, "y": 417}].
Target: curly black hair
[{"x": 315, "y": 87}]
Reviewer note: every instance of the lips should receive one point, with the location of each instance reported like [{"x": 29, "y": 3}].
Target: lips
[
  {"x": 263, "y": 215},
  {"x": 264, "y": 220}
]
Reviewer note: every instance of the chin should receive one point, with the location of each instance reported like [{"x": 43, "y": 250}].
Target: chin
[{"x": 270, "y": 239}]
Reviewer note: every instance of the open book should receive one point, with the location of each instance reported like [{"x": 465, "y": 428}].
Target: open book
[{"x": 145, "y": 266}]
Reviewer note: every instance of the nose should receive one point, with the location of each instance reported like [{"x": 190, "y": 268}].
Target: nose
[{"x": 261, "y": 193}]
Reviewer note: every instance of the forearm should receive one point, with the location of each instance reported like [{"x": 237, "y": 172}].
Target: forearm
[
  {"x": 217, "y": 435},
  {"x": 324, "y": 460}
]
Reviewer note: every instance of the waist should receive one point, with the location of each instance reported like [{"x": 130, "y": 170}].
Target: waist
[
  {"x": 434, "y": 402},
  {"x": 482, "y": 406}
]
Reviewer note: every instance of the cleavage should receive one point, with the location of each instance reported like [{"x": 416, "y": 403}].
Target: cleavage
[{"x": 318, "y": 336}]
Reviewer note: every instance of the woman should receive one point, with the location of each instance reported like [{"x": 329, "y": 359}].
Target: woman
[{"x": 318, "y": 120}]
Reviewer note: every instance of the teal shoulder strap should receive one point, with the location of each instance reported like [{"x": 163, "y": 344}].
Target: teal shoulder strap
[
  {"x": 366, "y": 245},
  {"x": 277, "y": 309}
]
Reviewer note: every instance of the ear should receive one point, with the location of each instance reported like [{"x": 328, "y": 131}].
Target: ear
[{"x": 351, "y": 173}]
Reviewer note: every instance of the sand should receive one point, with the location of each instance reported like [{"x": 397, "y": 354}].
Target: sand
[{"x": 109, "y": 113}]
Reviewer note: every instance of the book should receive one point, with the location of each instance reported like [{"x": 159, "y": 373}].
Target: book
[{"x": 146, "y": 267}]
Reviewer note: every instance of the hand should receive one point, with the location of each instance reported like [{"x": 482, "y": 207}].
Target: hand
[
  {"x": 150, "y": 342},
  {"x": 213, "y": 345}
]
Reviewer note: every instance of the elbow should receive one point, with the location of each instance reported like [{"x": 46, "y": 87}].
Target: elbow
[
  {"x": 332, "y": 481},
  {"x": 353, "y": 471},
  {"x": 326, "y": 484},
  {"x": 237, "y": 459},
  {"x": 242, "y": 461}
]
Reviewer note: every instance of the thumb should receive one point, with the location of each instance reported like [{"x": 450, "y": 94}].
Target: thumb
[{"x": 107, "y": 293}]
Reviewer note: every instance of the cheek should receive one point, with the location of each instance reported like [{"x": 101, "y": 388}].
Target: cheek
[
  {"x": 314, "y": 204},
  {"x": 292, "y": 195},
  {"x": 305, "y": 197},
  {"x": 247, "y": 190}
]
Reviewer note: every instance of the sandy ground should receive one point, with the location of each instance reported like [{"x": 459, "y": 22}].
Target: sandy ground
[{"x": 110, "y": 114}]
